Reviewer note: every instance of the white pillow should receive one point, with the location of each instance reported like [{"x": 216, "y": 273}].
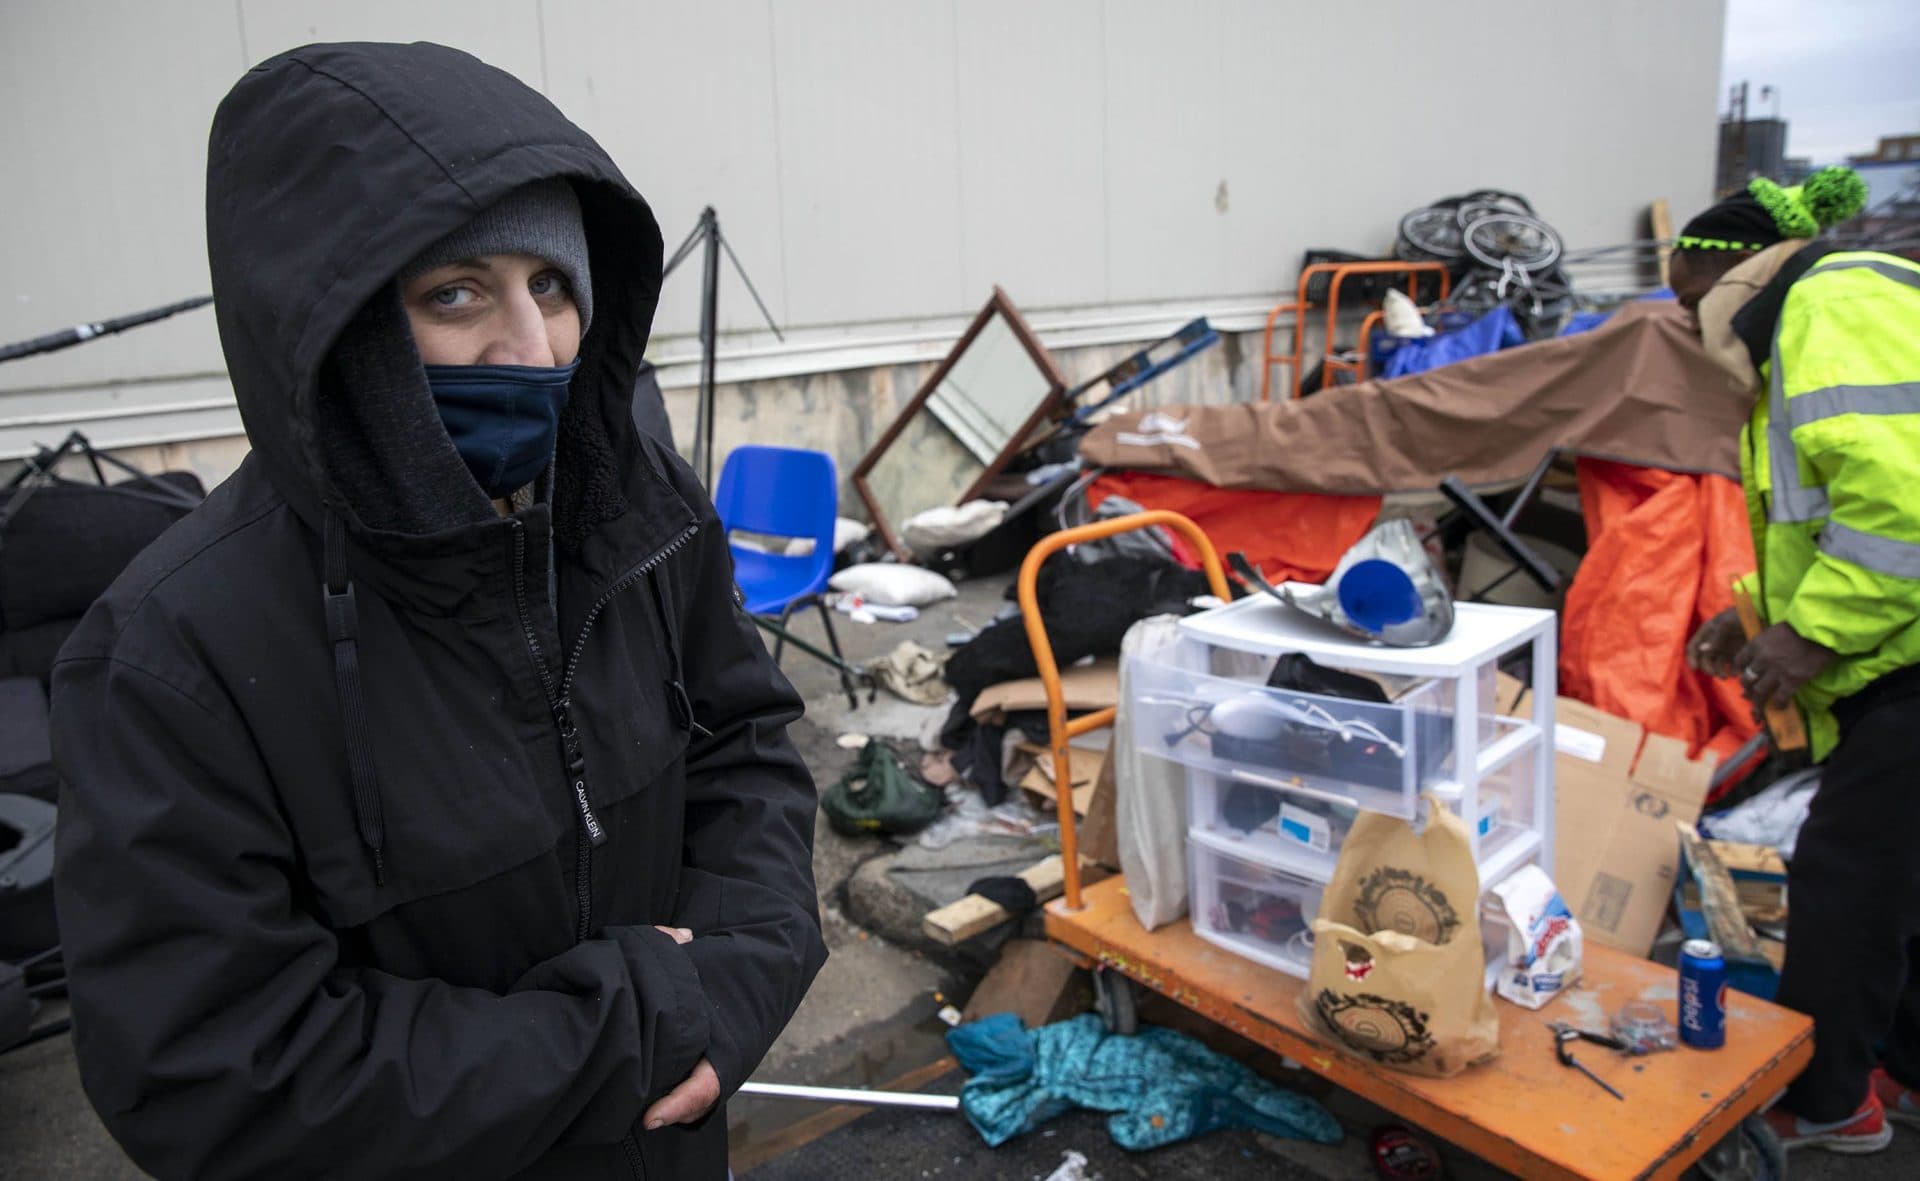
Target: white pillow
[
  {"x": 942, "y": 528},
  {"x": 893, "y": 584},
  {"x": 848, "y": 532}
]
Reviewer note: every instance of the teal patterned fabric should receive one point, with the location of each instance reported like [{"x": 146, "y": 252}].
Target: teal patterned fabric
[{"x": 1161, "y": 1086}]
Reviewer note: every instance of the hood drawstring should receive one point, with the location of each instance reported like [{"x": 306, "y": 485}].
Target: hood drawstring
[
  {"x": 678, "y": 699},
  {"x": 343, "y": 631}
]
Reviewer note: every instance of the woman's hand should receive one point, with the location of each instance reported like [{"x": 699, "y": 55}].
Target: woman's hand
[
  {"x": 695, "y": 1096},
  {"x": 689, "y": 1102}
]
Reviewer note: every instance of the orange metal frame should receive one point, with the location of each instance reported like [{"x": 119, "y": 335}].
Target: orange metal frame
[
  {"x": 1339, "y": 271},
  {"x": 1523, "y": 1112},
  {"x": 1060, "y": 730}
]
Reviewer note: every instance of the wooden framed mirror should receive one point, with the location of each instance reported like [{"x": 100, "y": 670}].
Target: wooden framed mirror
[{"x": 979, "y": 408}]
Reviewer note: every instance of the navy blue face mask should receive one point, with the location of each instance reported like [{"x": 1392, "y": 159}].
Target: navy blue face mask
[{"x": 502, "y": 418}]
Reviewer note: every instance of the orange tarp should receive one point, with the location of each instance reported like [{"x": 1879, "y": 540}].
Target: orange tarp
[
  {"x": 1663, "y": 550},
  {"x": 1287, "y": 535}
]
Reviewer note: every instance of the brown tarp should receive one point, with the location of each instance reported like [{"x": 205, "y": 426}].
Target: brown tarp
[{"x": 1639, "y": 389}]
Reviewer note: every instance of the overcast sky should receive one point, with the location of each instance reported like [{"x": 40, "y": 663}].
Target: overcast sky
[{"x": 1847, "y": 71}]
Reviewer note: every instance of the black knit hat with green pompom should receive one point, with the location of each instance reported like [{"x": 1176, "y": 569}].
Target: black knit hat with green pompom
[{"x": 1768, "y": 213}]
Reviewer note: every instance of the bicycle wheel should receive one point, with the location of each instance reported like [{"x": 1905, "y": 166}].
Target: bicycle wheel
[
  {"x": 1487, "y": 202},
  {"x": 1528, "y": 242},
  {"x": 1431, "y": 234},
  {"x": 1477, "y": 292}
]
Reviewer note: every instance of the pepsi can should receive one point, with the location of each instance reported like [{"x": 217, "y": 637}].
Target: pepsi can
[{"x": 1703, "y": 994}]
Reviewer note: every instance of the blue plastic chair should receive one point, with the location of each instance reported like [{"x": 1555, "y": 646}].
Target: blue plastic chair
[{"x": 783, "y": 492}]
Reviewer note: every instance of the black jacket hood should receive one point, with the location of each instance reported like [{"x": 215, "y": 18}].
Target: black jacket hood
[{"x": 328, "y": 168}]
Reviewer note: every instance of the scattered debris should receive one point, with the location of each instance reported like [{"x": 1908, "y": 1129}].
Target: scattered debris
[
  {"x": 911, "y": 673},
  {"x": 1073, "y": 1167}
]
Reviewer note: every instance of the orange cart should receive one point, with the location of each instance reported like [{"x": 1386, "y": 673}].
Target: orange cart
[
  {"x": 1338, "y": 273},
  {"x": 1523, "y": 1112}
]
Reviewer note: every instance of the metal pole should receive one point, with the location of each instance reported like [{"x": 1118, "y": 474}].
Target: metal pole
[
  {"x": 80, "y": 333},
  {"x": 709, "y": 330},
  {"x": 853, "y": 1095}
]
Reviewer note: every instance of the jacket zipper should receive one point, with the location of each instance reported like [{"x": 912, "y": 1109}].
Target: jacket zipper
[
  {"x": 559, "y": 702},
  {"x": 635, "y": 1164}
]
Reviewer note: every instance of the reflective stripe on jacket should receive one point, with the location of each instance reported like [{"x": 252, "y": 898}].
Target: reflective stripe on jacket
[{"x": 1831, "y": 459}]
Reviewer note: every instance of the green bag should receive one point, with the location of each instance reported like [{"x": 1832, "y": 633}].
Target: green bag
[{"x": 878, "y": 794}]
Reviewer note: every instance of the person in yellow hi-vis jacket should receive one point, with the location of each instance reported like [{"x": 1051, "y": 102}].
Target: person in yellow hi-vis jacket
[{"x": 1829, "y": 340}]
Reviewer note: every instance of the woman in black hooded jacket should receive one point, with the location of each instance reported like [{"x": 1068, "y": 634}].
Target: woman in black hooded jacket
[{"x": 427, "y": 806}]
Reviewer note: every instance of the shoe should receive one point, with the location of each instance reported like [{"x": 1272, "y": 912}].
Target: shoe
[
  {"x": 1866, "y": 1132},
  {"x": 1901, "y": 1104},
  {"x": 1399, "y": 1155}
]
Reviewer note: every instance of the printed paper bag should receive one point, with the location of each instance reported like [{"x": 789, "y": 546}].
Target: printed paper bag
[
  {"x": 1392, "y": 878},
  {"x": 1399, "y": 973}
]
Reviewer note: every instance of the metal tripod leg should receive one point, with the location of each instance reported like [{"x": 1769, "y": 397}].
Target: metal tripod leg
[
  {"x": 833, "y": 641},
  {"x": 780, "y": 643},
  {"x": 849, "y": 675}
]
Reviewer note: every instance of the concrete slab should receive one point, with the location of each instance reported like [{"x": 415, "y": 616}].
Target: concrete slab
[{"x": 892, "y": 893}]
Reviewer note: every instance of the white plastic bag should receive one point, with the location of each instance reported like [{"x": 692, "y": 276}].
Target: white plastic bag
[
  {"x": 1403, "y": 316},
  {"x": 1772, "y": 818},
  {"x": 1150, "y": 795}
]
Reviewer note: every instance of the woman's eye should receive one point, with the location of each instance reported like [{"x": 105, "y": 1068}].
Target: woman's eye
[
  {"x": 549, "y": 283},
  {"x": 452, "y": 297}
]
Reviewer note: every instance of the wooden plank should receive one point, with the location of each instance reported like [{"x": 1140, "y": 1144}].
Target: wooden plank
[
  {"x": 1523, "y": 1112},
  {"x": 1033, "y": 979},
  {"x": 973, "y": 915},
  {"x": 1789, "y": 732},
  {"x": 1719, "y": 900},
  {"x": 1661, "y": 216}
]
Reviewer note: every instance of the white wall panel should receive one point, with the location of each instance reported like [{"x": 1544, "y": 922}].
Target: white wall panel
[
  {"x": 1165, "y": 155},
  {"x": 878, "y": 165},
  {"x": 869, "y": 157},
  {"x": 681, "y": 95},
  {"x": 103, "y": 154},
  {"x": 504, "y": 33},
  {"x": 1033, "y": 149}
]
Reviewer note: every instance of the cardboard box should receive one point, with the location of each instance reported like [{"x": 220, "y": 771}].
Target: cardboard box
[
  {"x": 1085, "y": 687},
  {"x": 1618, "y": 792},
  {"x": 1084, "y": 765}
]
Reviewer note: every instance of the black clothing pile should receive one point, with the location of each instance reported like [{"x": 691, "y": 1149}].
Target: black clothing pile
[{"x": 1087, "y": 608}]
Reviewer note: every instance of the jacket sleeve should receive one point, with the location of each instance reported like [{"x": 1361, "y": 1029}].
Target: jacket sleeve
[
  {"x": 746, "y": 889},
  {"x": 217, "y": 1031},
  {"x": 1858, "y": 429}
]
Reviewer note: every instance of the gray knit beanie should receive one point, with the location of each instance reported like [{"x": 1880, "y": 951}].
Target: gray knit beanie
[{"x": 541, "y": 219}]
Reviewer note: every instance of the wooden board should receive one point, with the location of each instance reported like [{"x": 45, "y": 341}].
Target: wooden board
[
  {"x": 1783, "y": 722},
  {"x": 1719, "y": 899},
  {"x": 1523, "y": 1112},
  {"x": 1661, "y": 217},
  {"x": 973, "y": 915},
  {"x": 1033, "y": 979}
]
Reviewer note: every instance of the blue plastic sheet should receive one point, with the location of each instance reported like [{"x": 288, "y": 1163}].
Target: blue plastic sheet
[
  {"x": 1587, "y": 321},
  {"x": 1161, "y": 1086},
  {"x": 1491, "y": 332}
]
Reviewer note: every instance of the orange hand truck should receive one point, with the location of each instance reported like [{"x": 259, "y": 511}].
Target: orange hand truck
[{"x": 1523, "y": 1112}]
